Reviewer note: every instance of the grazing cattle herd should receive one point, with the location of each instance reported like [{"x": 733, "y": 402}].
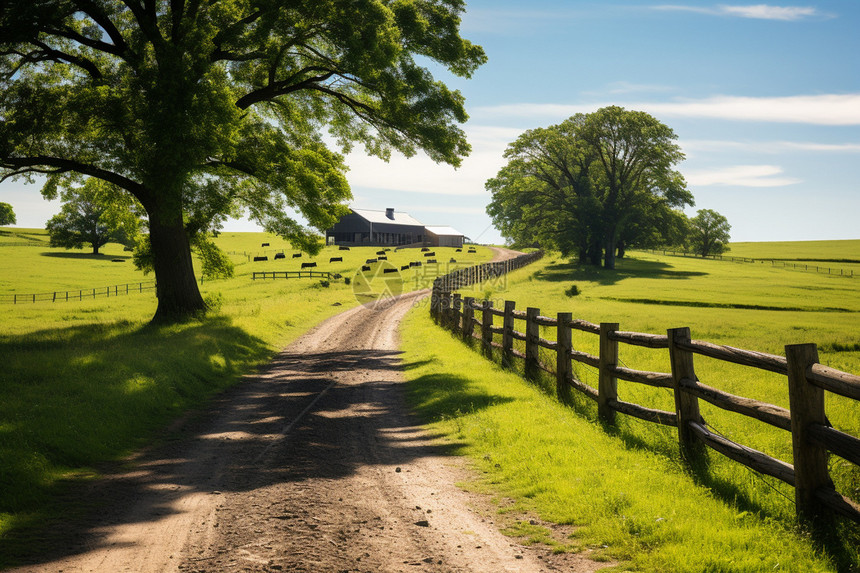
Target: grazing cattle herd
[{"x": 381, "y": 255}]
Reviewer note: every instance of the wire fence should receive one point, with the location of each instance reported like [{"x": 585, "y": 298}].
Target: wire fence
[{"x": 834, "y": 271}]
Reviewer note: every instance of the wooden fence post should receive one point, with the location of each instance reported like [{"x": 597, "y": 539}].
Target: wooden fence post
[
  {"x": 456, "y": 305},
  {"x": 444, "y": 307},
  {"x": 806, "y": 403},
  {"x": 532, "y": 345},
  {"x": 468, "y": 318},
  {"x": 686, "y": 405},
  {"x": 563, "y": 368},
  {"x": 486, "y": 328},
  {"x": 507, "y": 333},
  {"x": 607, "y": 387}
]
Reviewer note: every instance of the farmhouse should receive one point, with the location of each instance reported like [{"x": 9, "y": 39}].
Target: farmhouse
[{"x": 369, "y": 227}]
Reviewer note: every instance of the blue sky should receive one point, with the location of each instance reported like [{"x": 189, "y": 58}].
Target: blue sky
[{"x": 764, "y": 98}]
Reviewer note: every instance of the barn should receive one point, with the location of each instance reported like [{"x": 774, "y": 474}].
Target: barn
[
  {"x": 368, "y": 227},
  {"x": 376, "y": 228}
]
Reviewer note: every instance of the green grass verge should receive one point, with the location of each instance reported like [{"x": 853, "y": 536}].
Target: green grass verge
[
  {"x": 625, "y": 493},
  {"x": 87, "y": 382}
]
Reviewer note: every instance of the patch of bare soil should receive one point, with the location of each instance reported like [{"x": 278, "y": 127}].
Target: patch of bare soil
[{"x": 312, "y": 464}]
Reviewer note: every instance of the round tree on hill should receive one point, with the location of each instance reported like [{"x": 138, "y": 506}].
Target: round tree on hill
[
  {"x": 202, "y": 110},
  {"x": 93, "y": 215},
  {"x": 7, "y": 215},
  {"x": 710, "y": 233}
]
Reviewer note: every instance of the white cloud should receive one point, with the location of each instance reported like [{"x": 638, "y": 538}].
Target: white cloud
[
  {"x": 825, "y": 109},
  {"x": 705, "y": 145},
  {"x": 741, "y": 176},
  {"x": 444, "y": 208},
  {"x": 420, "y": 174},
  {"x": 766, "y": 12},
  {"x": 756, "y": 11}
]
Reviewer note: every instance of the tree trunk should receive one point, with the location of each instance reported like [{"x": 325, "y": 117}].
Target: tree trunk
[
  {"x": 95, "y": 249},
  {"x": 609, "y": 251},
  {"x": 178, "y": 295},
  {"x": 622, "y": 249}
]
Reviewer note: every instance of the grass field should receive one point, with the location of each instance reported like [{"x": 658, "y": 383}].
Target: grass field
[
  {"x": 747, "y": 306},
  {"x": 86, "y": 382}
]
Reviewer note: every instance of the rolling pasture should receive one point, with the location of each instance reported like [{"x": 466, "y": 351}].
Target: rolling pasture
[
  {"x": 750, "y": 306},
  {"x": 87, "y": 381}
]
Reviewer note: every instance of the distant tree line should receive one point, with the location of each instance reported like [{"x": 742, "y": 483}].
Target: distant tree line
[{"x": 597, "y": 184}]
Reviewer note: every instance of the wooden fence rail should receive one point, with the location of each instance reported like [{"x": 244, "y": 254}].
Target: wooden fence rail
[
  {"x": 79, "y": 294},
  {"x": 290, "y": 274},
  {"x": 812, "y": 437}
]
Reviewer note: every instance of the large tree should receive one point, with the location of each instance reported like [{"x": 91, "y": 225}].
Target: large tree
[
  {"x": 203, "y": 109},
  {"x": 636, "y": 155},
  {"x": 709, "y": 233},
  {"x": 592, "y": 184},
  {"x": 7, "y": 215}
]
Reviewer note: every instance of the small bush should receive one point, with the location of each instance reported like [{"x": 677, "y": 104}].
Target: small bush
[
  {"x": 347, "y": 280},
  {"x": 325, "y": 284},
  {"x": 214, "y": 301},
  {"x": 572, "y": 291}
]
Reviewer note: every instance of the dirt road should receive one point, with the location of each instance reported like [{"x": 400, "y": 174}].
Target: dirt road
[{"x": 313, "y": 464}]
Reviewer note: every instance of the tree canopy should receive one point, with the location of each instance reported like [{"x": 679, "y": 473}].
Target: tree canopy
[
  {"x": 94, "y": 214},
  {"x": 591, "y": 184},
  {"x": 709, "y": 233},
  {"x": 203, "y": 110},
  {"x": 7, "y": 215}
]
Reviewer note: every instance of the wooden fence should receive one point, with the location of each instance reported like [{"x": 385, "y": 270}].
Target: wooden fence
[
  {"x": 291, "y": 274},
  {"x": 812, "y": 436},
  {"x": 80, "y": 294}
]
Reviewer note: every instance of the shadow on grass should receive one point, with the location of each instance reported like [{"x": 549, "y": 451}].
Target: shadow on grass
[
  {"x": 626, "y": 268},
  {"x": 443, "y": 396},
  {"x": 72, "y": 399},
  {"x": 84, "y": 256}
]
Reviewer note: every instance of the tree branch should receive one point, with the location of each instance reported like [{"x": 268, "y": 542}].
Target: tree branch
[
  {"x": 56, "y": 55},
  {"x": 53, "y": 165},
  {"x": 73, "y": 35},
  {"x": 277, "y": 89}
]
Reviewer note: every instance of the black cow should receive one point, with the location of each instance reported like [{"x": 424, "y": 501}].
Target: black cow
[
  {"x": 433, "y": 254},
  {"x": 336, "y": 260},
  {"x": 453, "y": 260},
  {"x": 280, "y": 256},
  {"x": 431, "y": 261},
  {"x": 405, "y": 267},
  {"x": 382, "y": 258},
  {"x": 297, "y": 255},
  {"x": 308, "y": 265},
  {"x": 369, "y": 261},
  {"x": 264, "y": 244},
  {"x": 365, "y": 268},
  {"x": 380, "y": 252},
  {"x": 424, "y": 249},
  {"x": 261, "y": 259},
  {"x": 389, "y": 271},
  {"x": 342, "y": 248}
]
